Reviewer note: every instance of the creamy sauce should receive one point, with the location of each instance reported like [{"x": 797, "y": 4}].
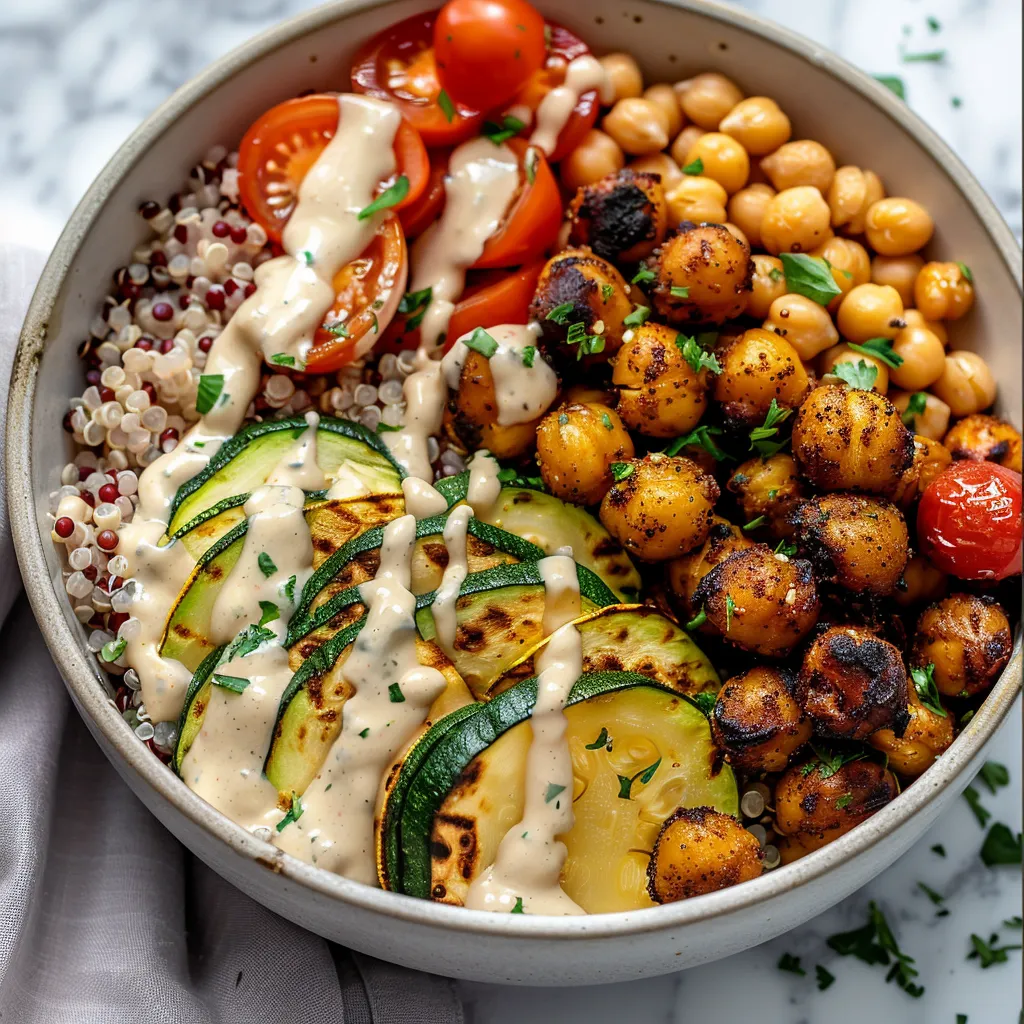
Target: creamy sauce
[
  {"x": 393, "y": 694},
  {"x": 425, "y": 393},
  {"x": 530, "y": 858},
  {"x": 484, "y": 486},
  {"x": 422, "y": 500},
  {"x": 582, "y": 75},
  {"x": 349, "y": 482},
  {"x": 299, "y": 467},
  {"x": 443, "y": 608}
]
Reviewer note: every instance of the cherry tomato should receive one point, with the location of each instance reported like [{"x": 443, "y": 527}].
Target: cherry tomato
[
  {"x": 366, "y": 296},
  {"x": 487, "y": 49},
  {"x": 418, "y": 216},
  {"x": 398, "y": 64},
  {"x": 969, "y": 521},
  {"x": 281, "y": 146}
]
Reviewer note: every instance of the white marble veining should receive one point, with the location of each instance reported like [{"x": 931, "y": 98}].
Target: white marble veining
[{"x": 78, "y": 76}]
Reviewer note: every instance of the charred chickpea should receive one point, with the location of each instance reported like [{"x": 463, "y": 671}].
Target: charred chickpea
[
  {"x": 758, "y": 367},
  {"x": 968, "y": 639},
  {"x": 697, "y": 199},
  {"x": 850, "y": 196},
  {"x": 966, "y": 385},
  {"x": 637, "y": 125},
  {"x": 624, "y": 75},
  {"x": 985, "y": 439},
  {"x": 622, "y": 217},
  {"x": 686, "y": 572},
  {"x": 661, "y": 164},
  {"x": 757, "y": 124},
  {"x": 914, "y": 318},
  {"x": 849, "y": 263},
  {"x": 664, "y": 97},
  {"x": 897, "y": 226},
  {"x": 922, "y": 413},
  {"x": 724, "y": 160},
  {"x": 746, "y": 210},
  {"x": 576, "y": 448},
  {"x": 597, "y": 156},
  {"x": 683, "y": 142},
  {"x": 854, "y": 540},
  {"x": 943, "y": 291},
  {"x": 662, "y": 507},
  {"x": 804, "y": 162},
  {"x": 707, "y": 98},
  {"x": 832, "y": 357},
  {"x": 922, "y": 582},
  {"x": 660, "y": 393},
  {"x": 930, "y": 459},
  {"x": 767, "y": 283},
  {"x": 702, "y": 275},
  {"x": 700, "y": 850},
  {"x": 927, "y": 735},
  {"x": 870, "y": 311},
  {"x": 769, "y": 488},
  {"x": 795, "y": 220},
  {"x": 851, "y": 683},
  {"x": 923, "y": 355},
  {"x": 900, "y": 272},
  {"x": 756, "y": 721},
  {"x": 804, "y": 323},
  {"x": 851, "y": 440}
]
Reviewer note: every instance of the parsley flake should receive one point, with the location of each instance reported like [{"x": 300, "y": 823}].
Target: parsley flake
[
  {"x": 994, "y": 775},
  {"x": 482, "y": 342},
  {"x": 236, "y": 684},
  {"x": 518, "y": 908},
  {"x": 444, "y": 101},
  {"x": 266, "y": 564},
  {"x": 730, "y": 608},
  {"x": 389, "y": 197},
  {"x": 607, "y": 291},
  {"x": 809, "y": 276},
  {"x": 606, "y": 421},
  {"x": 790, "y": 963},
  {"x": 498, "y": 133},
  {"x": 966, "y": 271},
  {"x": 270, "y": 612},
  {"x": 700, "y": 437},
  {"x": 601, "y": 741},
  {"x": 1001, "y": 846},
  {"x": 894, "y": 84},
  {"x": 395, "y": 694},
  {"x": 880, "y": 349},
  {"x": 644, "y": 775},
  {"x": 679, "y": 291},
  {"x": 697, "y": 621},
  {"x": 924, "y": 684},
  {"x": 552, "y": 791},
  {"x": 289, "y": 588},
  {"x": 642, "y": 276},
  {"x": 413, "y": 305},
  {"x": 785, "y": 548},
  {"x": 824, "y": 977},
  {"x": 694, "y": 167},
  {"x": 282, "y": 359},
  {"x": 560, "y": 314},
  {"x": 294, "y": 812},
  {"x": 988, "y": 953},
  {"x": 974, "y": 802},
  {"x": 859, "y": 375},
  {"x": 916, "y": 405},
  {"x": 696, "y": 356},
  {"x": 210, "y": 387},
  {"x": 621, "y": 471},
  {"x": 874, "y": 943},
  {"x": 528, "y": 354}
]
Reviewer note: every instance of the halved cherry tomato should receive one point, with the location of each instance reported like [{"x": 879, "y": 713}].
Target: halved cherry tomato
[
  {"x": 486, "y": 50},
  {"x": 418, "y": 216},
  {"x": 533, "y": 219},
  {"x": 366, "y": 296},
  {"x": 283, "y": 144},
  {"x": 398, "y": 65},
  {"x": 969, "y": 521}
]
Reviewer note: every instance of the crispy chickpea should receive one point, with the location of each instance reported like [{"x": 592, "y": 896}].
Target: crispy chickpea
[
  {"x": 966, "y": 385},
  {"x": 795, "y": 220},
  {"x": 724, "y": 160},
  {"x": 662, "y": 509},
  {"x": 803, "y": 323},
  {"x": 767, "y": 283},
  {"x": 757, "y": 367},
  {"x": 757, "y": 124},
  {"x": 686, "y": 572},
  {"x": 770, "y": 488},
  {"x": 968, "y": 639},
  {"x": 898, "y": 271},
  {"x": 845, "y": 439},
  {"x": 937, "y": 327},
  {"x": 897, "y": 227},
  {"x": 700, "y": 850},
  {"x": 736, "y": 233},
  {"x": 922, "y": 582},
  {"x": 575, "y": 449},
  {"x": 713, "y": 266},
  {"x": 760, "y": 601},
  {"x": 624, "y": 75},
  {"x": 664, "y": 97},
  {"x": 661, "y": 164},
  {"x": 927, "y": 735},
  {"x": 852, "y": 682},
  {"x": 804, "y": 162},
  {"x": 851, "y": 195},
  {"x": 707, "y": 98},
  {"x": 622, "y": 217},
  {"x": 857, "y": 541},
  {"x": 596, "y": 156},
  {"x": 930, "y": 459},
  {"x": 832, "y": 357},
  {"x": 942, "y": 291},
  {"x": 660, "y": 394},
  {"x": 757, "y": 722},
  {"x": 870, "y": 311},
  {"x": 746, "y": 210},
  {"x": 929, "y": 416},
  {"x": 683, "y": 142},
  {"x": 637, "y": 125},
  {"x": 923, "y": 357},
  {"x": 985, "y": 439},
  {"x": 697, "y": 199}
]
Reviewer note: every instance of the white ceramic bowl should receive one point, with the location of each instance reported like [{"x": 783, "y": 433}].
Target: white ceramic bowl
[{"x": 859, "y": 120}]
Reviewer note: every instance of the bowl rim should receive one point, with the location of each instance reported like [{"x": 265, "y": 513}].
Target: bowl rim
[{"x": 76, "y": 666}]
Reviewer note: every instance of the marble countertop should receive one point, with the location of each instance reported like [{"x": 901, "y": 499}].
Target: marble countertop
[{"x": 78, "y": 77}]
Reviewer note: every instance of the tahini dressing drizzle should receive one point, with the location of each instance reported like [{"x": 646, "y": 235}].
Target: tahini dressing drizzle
[{"x": 582, "y": 75}]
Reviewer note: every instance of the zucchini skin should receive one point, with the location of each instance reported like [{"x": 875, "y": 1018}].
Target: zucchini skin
[
  {"x": 312, "y": 497},
  {"x": 199, "y": 680}
]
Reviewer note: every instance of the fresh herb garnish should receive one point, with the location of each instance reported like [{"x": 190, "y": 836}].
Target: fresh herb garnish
[
  {"x": 988, "y": 953},
  {"x": 858, "y": 375},
  {"x": 560, "y": 314},
  {"x": 1001, "y": 846},
  {"x": 785, "y": 548},
  {"x": 289, "y": 588},
  {"x": 338, "y": 329},
  {"x": 282, "y": 359},
  {"x": 642, "y": 276},
  {"x": 936, "y": 897},
  {"x": 365, "y": 732},
  {"x": 754, "y": 523},
  {"x": 679, "y": 291},
  {"x": 695, "y": 355},
  {"x": 638, "y": 317},
  {"x": 931, "y": 57},
  {"x": 444, "y": 101},
  {"x": 601, "y": 741},
  {"x": 511, "y": 476},
  {"x": 529, "y": 353},
  {"x": 966, "y": 271},
  {"x": 1014, "y": 922},
  {"x": 210, "y": 387},
  {"x": 588, "y": 344},
  {"x": 880, "y": 349},
  {"x": 827, "y": 762},
  {"x": 894, "y": 84},
  {"x": 552, "y": 791},
  {"x": 916, "y": 405},
  {"x": 875, "y": 943},
  {"x": 844, "y": 801},
  {"x": 810, "y": 276},
  {"x": 701, "y": 437},
  {"x": 113, "y": 649},
  {"x": 518, "y": 908},
  {"x": 705, "y": 701},
  {"x": 994, "y": 775},
  {"x": 933, "y": 23},
  {"x": 386, "y": 428},
  {"x": 498, "y": 133},
  {"x": 788, "y": 962},
  {"x": 606, "y": 421},
  {"x": 236, "y": 684},
  {"x": 270, "y": 612},
  {"x": 927, "y": 691},
  {"x": 760, "y": 437},
  {"x": 607, "y": 291},
  {"x": 389, "y": 197},
  {"x": 266, "y": 564},
  {"x": 413, "y": 305},
  {"x": 824, "y": 977},
  {"x": 621, "y": 471},
  {"x": 939, "y": 850},
  {"x": 974, "y": 802},
  {"x": 730, "y": 608},
  {"x": 694, "y": 167},
  {"x": 644, "y": 775},
  {"x": 395, "y": 694},
  {"x": 294, "y": 812},
  {"x": 697, "y": 621},
  {"x": 775, "y": 274},
  {"x": 249, "y": 640},
  {"x": 482, "y": 342}
]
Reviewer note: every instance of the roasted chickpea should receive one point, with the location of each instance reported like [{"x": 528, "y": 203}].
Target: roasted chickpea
[
  {"x": 746, "y": 210},
  {"x": 870, "y": 311},
  {"x": 922, "y": 582},
  {"x": 660, "y": 394},
  {"x": 850, "y": 265},
  {"x": 664, "y": 97},
  {"x": 943, "y": 291},
  {"x": 930, "y": 459},
  {"x": 624, "y": 75},
  {"x": 661, "y": 164},
  {"x": 804, "y": 162},
  {"x": 856, "y": 541},
  {"x": 968, "y": 639},
  {"x": 929, "y": 416},
  {"x": 927, "y": 735},
  {"x": 597, "y": 156},
  {"x": 724, "y": 160},
  {"x": 576, "y": 448},
  {"x": 985, "y": 439},
  {"x": 622, "y": 217},
  {"x": 637, "y": 125},
  {"x": 897, "y": 226},
  {"x": 760, "y": 601},
  {"x": 796, "y": 220},
  {"x": 923, "y": 355},
  {"x": 686, "y": 572},
  {"x": 804, "y": 323},
  {"x": 700, "y": 850},
  {"x": 770, "y": 488},
  {"x": 966, "y": 385},
  {"x": 900, "y": 272},
  {"x": 937, "y": 327},
  {"x": 683, "y": 142},
  {"x": 852, "y": 682},
  {"x": 736, "y": 233},
  {"x": 757, "y": 367},
  {"x": 697, "y": 199},
  {"x": 714, "y": 268},
  {"x": 757, "y": 124},
  {"x": 851, "y": 440},
  {"x": 662, "y": 509},
  {"x": 831, "y": 357},
  {"x": 707, "y": 98},
  {"x": 851, "y": 195},
  {"x": 767, "y": 283},
  {"x": 589, "y": 393}
]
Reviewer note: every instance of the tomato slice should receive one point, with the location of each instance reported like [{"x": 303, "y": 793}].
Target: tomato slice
[
  {"x": 366, "y": 296},
  {"x": 534, "y": 216},
  {"x": 969, "y": 521},
  {"x": 398, "y": 64},
  {"x": 418, "y": 216}
]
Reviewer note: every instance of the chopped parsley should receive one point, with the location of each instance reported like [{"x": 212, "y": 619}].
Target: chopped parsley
[
  {"x": 824, "y": 977},
  {"x": 994, "y": 775},
  {"x": 858, "y": 375},
  {"x": 679, "y": 291},
  {"x": 210, "y": 387},
  {"x": 894, "y": 84},
  {"x": 934, "y": 24},
  {"x": 785, "y": 548},
  {"x": 775, "y": 274},
  {"x": 236, "y": 684},
  {"x": 413, "y": 305},
  {"x": 606, "y": 421},
  {"x": 512, "y": 476},
  {"x": 266, "y": 564},
  {"x": 638, "y": 317},
  {"x": 939, "y": 850},
  {"x": 810, "y": 276},
  {"x": 552, "y": 791},
  {"x": 364, "y": 733},
  {"x": 754, "y": 523},
  {"x": 827, "y": 762},
  {"x": 269, "y": 611},
  {"x": 761, "y": 437},
  {"x": 282, "y": 359},
  {"x": 874, "y": 943},
  {"x": 924, "y": 684},
  {"x": 930, "y": 57},
  {"x": 444, "y": 101},
  {"x": 1001, "y": 846},
  {"x": 395, "y": 694},
  {"x": 642, "y": 276},
  {"x": 697, "y": 621},
  {"x": 601, "y": 741},
  {"x": 588, "y": 344},
  {"x": 528, "y": 354},
  {"x": 936, "y": 897},
  {"x": 644, "y": 775},
  {"x": 730, "y": 608},
  {"x": 389, "y": 197},
  {"x": 701, "y": 437},
  {"x": 518, "y": 908},
  {"x": 560, "y": 314},
  {"x": 289, "y": 588},
  {"x": 988, "y": 953},
  {"x": 294, "y": 812},
  {"x": 916, "y": 405},
  {"x": 966, "y": 271},
  {"x": 249, "y": 640},
  {"x": 621, "y": 471},
  {"x": 482, "y": 342},
  {"x": 705, "y": 701},
  {"x": 974, "y": 802},
  {"x": 113, "y": 649},
  {"x": 694, "y": 167},
  {"x": 695, "y": 355},
  {"x": 338, "y": 329},
  {"x": 607, "y": 291},
  {"x": 880, "y": 349},
  {"x": 498, "y": 133},
  {"x": 386, "y": 428},
  {"x": 790, "y": 963}
]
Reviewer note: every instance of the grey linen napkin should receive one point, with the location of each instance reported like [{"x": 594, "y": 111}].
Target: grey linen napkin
[{"x": 104, "y": 917}]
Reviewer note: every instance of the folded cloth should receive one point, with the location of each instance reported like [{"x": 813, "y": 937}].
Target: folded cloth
[{"x": 106, "y": 918}]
